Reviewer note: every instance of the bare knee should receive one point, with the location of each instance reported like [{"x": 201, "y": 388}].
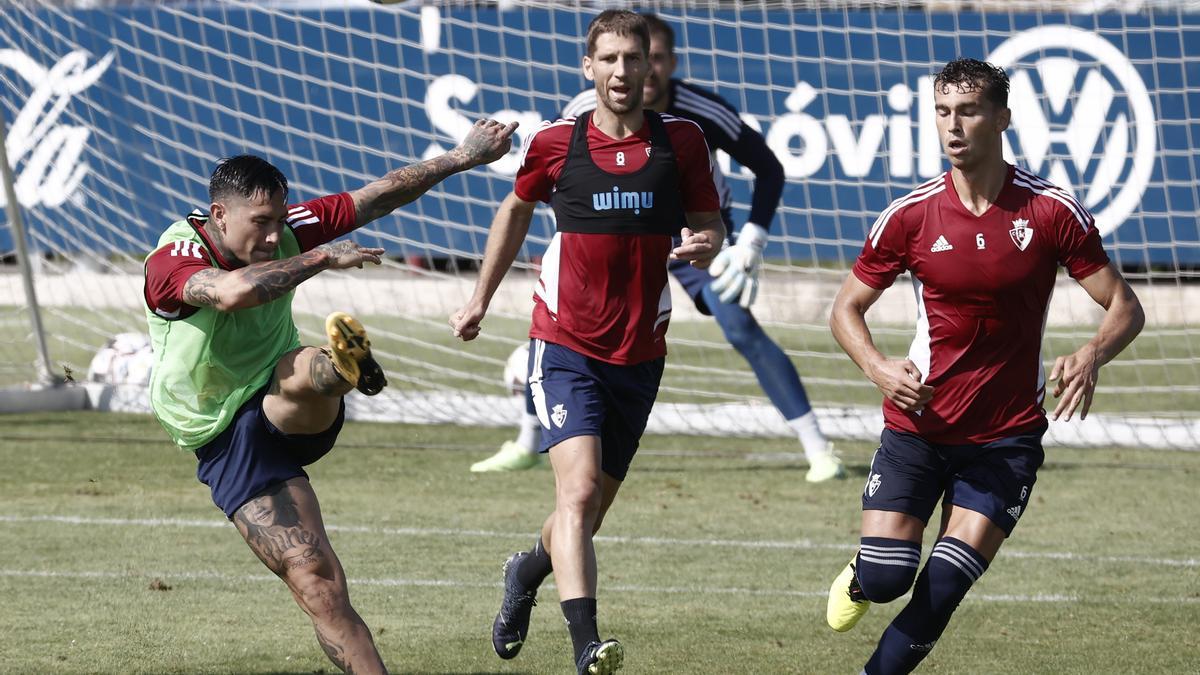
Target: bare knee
[{"x": 580, "y": 502}]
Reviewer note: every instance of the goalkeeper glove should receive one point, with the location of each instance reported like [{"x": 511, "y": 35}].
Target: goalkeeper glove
[{"x": 736, "y": 266}]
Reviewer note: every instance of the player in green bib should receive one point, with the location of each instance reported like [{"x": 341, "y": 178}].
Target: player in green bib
[{"x": 231, "y": 381}]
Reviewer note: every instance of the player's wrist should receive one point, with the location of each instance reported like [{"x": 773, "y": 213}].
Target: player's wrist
[
  {"x": 481, "y": 299},
  {"x": 752, "y": 235},
  {"x": 457, "y": 159},
  {"x": 462, "y": 160},
  {"x": 323, "y": 257},
  {"x": 873, "y": 369},
  {"x": 1095, "y": 354}
]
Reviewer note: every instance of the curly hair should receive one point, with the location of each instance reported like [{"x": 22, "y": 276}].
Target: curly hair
[{"x": 974, "y": 75}]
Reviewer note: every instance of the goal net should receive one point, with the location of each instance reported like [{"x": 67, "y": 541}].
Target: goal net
[{"x": 117, "y": 114}]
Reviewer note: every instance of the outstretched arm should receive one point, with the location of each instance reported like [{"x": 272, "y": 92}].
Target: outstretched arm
[
  {"x": 260, "y": 283},
  {"x": 505, "y": 237},
  {"x": 487, "y": 141},
  {"x": 898, "y": 379},
  {"x": 1078, "y": 373}
]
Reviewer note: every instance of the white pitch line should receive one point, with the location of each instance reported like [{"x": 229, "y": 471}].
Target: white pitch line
[
  {"x": 795, "y": 545},
  {"x": 1037, "y": 598}
]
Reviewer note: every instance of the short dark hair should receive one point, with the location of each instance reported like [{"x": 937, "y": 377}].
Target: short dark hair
[
  {"x": 246, "y": 175},
  {"x": 620, "y": 22},
  {"x": 657, "y": 26},
  {"x": 974, "y": 75}
]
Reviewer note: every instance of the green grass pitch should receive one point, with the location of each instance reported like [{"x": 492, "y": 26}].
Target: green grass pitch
[{"x": 715, "y": 558}]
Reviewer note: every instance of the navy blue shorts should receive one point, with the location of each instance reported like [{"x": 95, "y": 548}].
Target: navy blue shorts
[
  {"x": 251, "y": 455},
  {"x": 910, "y": 475},
  {"x": 576, "y": 395}
]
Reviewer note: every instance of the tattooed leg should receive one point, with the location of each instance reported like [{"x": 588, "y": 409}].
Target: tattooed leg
[
  {"x": 309, "y": 372},
  {"x": 306, "y": 394},
  {"x": 324, "y": 378},
  {"x": 283, "y": 527}
]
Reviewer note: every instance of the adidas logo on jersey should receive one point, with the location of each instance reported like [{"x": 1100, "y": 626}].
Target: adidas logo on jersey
[
  {"x": 1015, "y": 512},
  {"x": 941, "y": 245}
]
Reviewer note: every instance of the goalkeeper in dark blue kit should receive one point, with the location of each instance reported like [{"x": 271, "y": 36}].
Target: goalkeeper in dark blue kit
[{"x": 727, "y": 289}]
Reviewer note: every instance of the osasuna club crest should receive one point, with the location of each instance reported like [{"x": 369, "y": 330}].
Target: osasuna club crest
[
  {"x": 873, "y": 483},
  {"x": 1021, "y": 233},
  {"x": 559, "y": 415}
]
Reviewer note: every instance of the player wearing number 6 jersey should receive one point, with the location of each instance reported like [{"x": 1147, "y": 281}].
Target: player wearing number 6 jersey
[{"x": 963, "y": 414}]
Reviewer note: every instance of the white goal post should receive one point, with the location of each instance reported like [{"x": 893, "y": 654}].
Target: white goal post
[{"x": 117, "y": 113}]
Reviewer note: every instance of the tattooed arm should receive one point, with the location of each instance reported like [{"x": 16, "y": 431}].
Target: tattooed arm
[
  {"x": 487, "y": 141},
  {"x": 260, "y": 283}
]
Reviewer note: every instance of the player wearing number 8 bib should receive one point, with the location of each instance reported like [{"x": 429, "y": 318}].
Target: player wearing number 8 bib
[
  {"x": 727, "y": 289},
  {"x": 622, "y": 181}
]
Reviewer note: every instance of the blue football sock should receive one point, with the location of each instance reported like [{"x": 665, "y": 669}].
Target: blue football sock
[
  {"x": 886, "y": 567},
  {"x": 774, "y": 370},
  {"x": 952, "y": 568}
]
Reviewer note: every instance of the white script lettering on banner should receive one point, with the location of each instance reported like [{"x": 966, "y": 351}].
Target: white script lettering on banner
[
  {"x": 1081, "y": 117},
  {"x": 46, "y": 154}
]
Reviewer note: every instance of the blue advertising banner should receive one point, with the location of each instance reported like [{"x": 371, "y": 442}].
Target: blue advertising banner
[{"x": 116, "y": 117}]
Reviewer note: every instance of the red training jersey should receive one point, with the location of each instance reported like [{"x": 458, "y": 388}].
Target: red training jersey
[
  {"x": 583, "y": 298},
  {"x": 983, "y": 286},
  {"x": 168, "y": 269}
]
